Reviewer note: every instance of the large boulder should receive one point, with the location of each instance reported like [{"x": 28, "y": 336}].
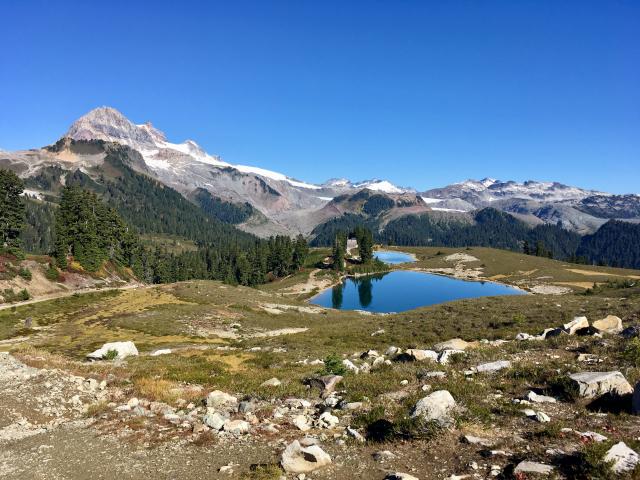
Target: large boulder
[
  {"x": 594, "y": 384},
  {"x": 123, "y": 350},
  {"x": 635, "y": 403},
  {"x": 418, "y": 355},
  {"x": 214, "y": 420},
  {"x": 609, "y": 324},
  {"x": 437, "y": 406},
  {"x": 303, "y": 456},
  {"x": 624, "y": 459},
  {"x": 575, "y": 325},
  {"x": 453, "y": 344}
]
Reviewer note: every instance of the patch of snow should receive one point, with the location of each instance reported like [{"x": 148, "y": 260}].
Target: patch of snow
[
  {"x": 380, "y": 186},
  {"x": 447, "y": 210},
  {"x": 326, "y": 199},
  {"x": 157, "y": 164},
  {"x": 429, "y": 200},
  {"x": 33, "y": 193},
  {"x": 274, "y": 175}
]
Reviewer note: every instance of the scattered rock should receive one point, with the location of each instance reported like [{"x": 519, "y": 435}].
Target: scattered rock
[
  {"x": 349, "y": 365},
  {"x": 593, "y": 384},
  {"x": 575, "y": 325},
  {"x": 417, "y": 355},
  {"x": 221, "y": 399},
  {"x": 533, "y": 467},
  {"x": 326, "y": 384},
  {"x": 453, "y": 344},
  {"x": 326, "y": 420},
  {"x": 400, "y": 476},
  {"x": 473, "y": 440},
  {"x": 437, "y": 406},
  {"x": 445, "y": 355},
  {"x": 383, "y": 455},
  {"x": 353, "y": 433},
  {"x": 272, "y": 382},
  {"x": 609, "y": 324},
  {"x": 236, "y": 426},
  {"x": 124, "y": 350},
  {"x": 162, "y": 351},
  {"x": 535, "y": 398},
  {"x": 542, "y": 417},
  {"x": 493, "y": 366},
  {"x": 214, "y": 420},
  {"x": 302, "y": 422},
  {"x": 302, "y": 457},
  {"x": 624, "y": 459}
]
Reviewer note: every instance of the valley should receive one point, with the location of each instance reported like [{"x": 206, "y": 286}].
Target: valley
[{"x": 259, "y": 349}]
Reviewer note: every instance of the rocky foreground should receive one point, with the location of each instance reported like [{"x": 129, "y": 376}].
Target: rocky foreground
[{"x": 549, "y": 405}]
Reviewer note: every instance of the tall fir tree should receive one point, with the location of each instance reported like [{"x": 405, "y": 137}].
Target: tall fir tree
[{"x": 12, "y": 210}]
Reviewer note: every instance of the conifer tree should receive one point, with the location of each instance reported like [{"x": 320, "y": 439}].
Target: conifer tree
[{"x": 12, "y": 211}]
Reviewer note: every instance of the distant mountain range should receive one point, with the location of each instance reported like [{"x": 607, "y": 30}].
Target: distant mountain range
[{"x": 272, "y": 202}]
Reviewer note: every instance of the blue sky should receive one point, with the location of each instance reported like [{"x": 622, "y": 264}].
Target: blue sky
[{"x": 423, "y": 93}]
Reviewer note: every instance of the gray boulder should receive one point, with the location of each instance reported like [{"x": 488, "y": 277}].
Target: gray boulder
[
  {"x": 609, "y": 324},
  {"x": 533, "y": 467},
  {"x": 624, "y": 459},
  {"x": 418, "y": 355},
  {"x": 437, "y": 406},
  {"x": 594, "y": 384},
  {"x": 218, "y": 399},
  {"x": 303, "y": 456},
  {"x": 575, "y": 325},
  {"x": 493, "y": 366},
  {"x": 123, "y": 349}
]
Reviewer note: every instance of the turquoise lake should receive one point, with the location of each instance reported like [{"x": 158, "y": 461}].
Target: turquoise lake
[
  {"x": 402, "y": 290},
  {"x": 393, "y": 258}
]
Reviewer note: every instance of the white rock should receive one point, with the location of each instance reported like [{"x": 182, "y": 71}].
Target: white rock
[
  {"x": 377, "y": 362},
  {"x": 493, "y": 366},
  {"x": 221, "y": 399},
  {"x": 542, "y": 417},
  {"x": 421, "y": 355},
  {"x": 437, "y": 406},
  {"x": 392, "y": 351},
  {"x": 609, "y": 324},
  {"x": 236, "y": 426},
  {"x": 535, "y": 398},
  {"x": 593, "y": 384},
  {"x": 354, "y": 434},
  {"x": 326, "y": 420},
  {"x": 303, "y": 459},
  {"x": 623, "y": 458},
  {"x": 473, "y": 440},
  {"x": 162, "y": 351},
  {"x": 453, "y": 344},
  {"x": 302, "y": 422},
  {"x": 400, "y": 476},
  {"x": 214, "y": 420},
  {"x": 272, "y": 382},
  {"x": 124, "y": 349},
  {"x": 576, "y": 324},
  {"x": 445, "y": 355},
  {"x": 533, "y": 467},
  {"x": 349, "y": 365}
]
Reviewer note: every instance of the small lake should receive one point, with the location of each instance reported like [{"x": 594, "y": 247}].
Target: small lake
[
  {"x": 393, "y": 258},
  {"x": 402, "y": 290}
]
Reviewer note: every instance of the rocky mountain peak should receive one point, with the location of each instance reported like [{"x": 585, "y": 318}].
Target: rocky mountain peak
[{"x": 108, "y": 124}]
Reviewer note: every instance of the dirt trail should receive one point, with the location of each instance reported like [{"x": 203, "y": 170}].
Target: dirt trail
[{"x": 68, "y": 293}]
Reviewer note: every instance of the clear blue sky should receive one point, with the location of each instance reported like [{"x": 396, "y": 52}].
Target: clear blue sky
[{"x": 423, "y": 93}]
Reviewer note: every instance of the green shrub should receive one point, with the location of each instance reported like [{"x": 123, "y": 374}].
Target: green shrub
[
  {"x": 25, "y": 273},
  {"x": 333, "y": 366},
  {"x": 111, "y": 355},
  {"x": 52, "y": 273}
]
